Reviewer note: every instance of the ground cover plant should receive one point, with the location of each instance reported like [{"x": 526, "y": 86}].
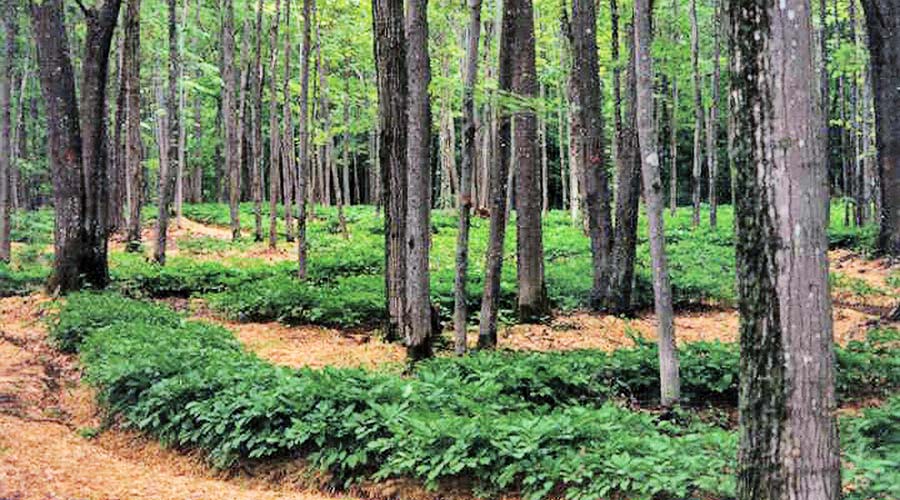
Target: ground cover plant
[{"x": 536, "y": 423}]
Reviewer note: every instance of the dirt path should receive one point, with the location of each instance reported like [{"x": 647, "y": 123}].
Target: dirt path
[{"x": 46, "y": 416}]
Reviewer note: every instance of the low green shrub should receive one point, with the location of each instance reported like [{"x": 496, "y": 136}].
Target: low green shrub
[
  {"x": 22, "y": 279},
  {"x": 871, "y": 444}
]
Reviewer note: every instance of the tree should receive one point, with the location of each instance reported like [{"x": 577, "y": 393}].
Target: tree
[
  {"x": 256, "y": 91},
  {"x": 587, "y": 135},
  {"x": 288, "y": 160},
  {"x": 390, "y": 60},
  {"x": 418, "y": 153},
  {"x": 789, "y": 445},
  {"x": 133, "y": 170},
  {"x": 77, "y": 141},
  {"x": 6, "y": 150},
  {"x": 647, "y": 137},
  {"x": 490, "y": 301},
  {"x": 168, "y": 164},
  {"x": 712, "y": 127},
  {"x": 230, "y": 119},
  {"x": 883, "y": 24},
  {"x": 303, "y": 126},
  {"x": 274, "y": 136},
  {"x": 532, "y": 302},
  {"x": 469, "y": 162},
  {"x": 697, "y": 170}
]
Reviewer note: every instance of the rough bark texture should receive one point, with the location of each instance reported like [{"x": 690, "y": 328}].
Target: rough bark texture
[
  {"x": 789, "y": 447},
  {"x": 133, "y": 170},
  {"x": 587, "y": 136},
  {"x": 78, "y": 157},
  {"x": 697, "y": 170},
  {"x": 647, "y": 136},
  {"x": 230, "y": 118},
  {"x": 469, "y": 161},
  {"x": 628, "y": 194},
  {"x": 883, "y": 26},
  {"x": 390, "y": 62},
  {"x": 490, "y": 302},
  {"x": 274, "y": 136},
  {"x": 303, "y": 126},
  {"x": 418, "y": 226},
  {"x": 10, "y": 21},
  {"x": 532, "y": 303}
]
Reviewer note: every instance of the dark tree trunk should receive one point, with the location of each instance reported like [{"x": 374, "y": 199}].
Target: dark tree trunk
[
  {"x": 789, "y": 446},
  {"x": 587, "y": 136},
  {"x": 230, "y": 120},
  {"x": 390, "y": 61},
  {"x": 628, "y": 195},
  {"x": 499, "y": 178},
  {"x": 883, "y": 26},
  {"x": 117, "y": 159},
  {"x": 469, "y": 156},
  {"x": 133, "y": 170},
  {"x": 168, "y": 165},
  {"x": 78, "y": 156},
  {"x": 6, "y": 148},
  {"x": 533, "y": 304},
  {"x": 256, "y": 151},
  {"x": 647, "y": 137},
  {"x": 288, "y": 159}
]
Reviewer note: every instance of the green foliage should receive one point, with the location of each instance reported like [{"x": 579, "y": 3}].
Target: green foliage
[
  {"x": 32, "y": 226},
  {"x": 871, "y": 444},
  {"x": 22, "y": 279}
]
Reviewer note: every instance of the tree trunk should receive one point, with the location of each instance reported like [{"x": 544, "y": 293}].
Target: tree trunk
[
  {"x": 168, "y": 164},
  {"x": 883, "y": 24},
  {"x": 662, "y": 288},
  {"x": 10, "y": 22},
  {"x": 182, "y": 125},
  {"x": 390, "y": 60},
  {"x": 490, "y": 302},
  {"x": 545, "y": 169},
  {"x": 230, "y": 112},
  {"x": 698, "y": 117},
  {"x": 587, "y": 136},
  {"x": 274, "y": 131},
  {"x": 256, "y": 81},
  {"x": 712, "y": 141},
  {"x": 133, "y": 169},
  {"x": 117, "y": 155},
  {"x": 789, "y": 446},
  {"x": 469, "y": 162},
  {"x": 288, "y": 160},
  {"x": 78, "y": 155},
  {"x": 303, "y": 172}
]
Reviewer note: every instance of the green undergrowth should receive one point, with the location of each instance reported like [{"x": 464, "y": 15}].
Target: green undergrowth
[{"x": 536, "y": 424}]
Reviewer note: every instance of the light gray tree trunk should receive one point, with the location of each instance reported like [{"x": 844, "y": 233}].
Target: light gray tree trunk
[{"x": 697, "y": 170}]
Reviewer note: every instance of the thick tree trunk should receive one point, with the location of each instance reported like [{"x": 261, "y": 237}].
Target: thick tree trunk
[
  {"x": 230, "y": 116},
  {"x": 789, "y": 446},
  {"x": 490, "y": 302},
  {"x": 10, "y": 20},
  {"x": 628, "y": 165},
  {"x": 274, "y": 131},
  {"x": 469, "y": 162},
  {"x": 697, "y": 170},
  {"x": 533, "y": 304},
  {"x": 303, "y": 172},
  {"x": 418, "y": 322},
  {"x": 883, "y": 25},
  {"x": 587, "y": 136},
  {"x": 390, "y": 61},
  {"x": 133, "y": 169},
  {"x": 647, "y": 136}
]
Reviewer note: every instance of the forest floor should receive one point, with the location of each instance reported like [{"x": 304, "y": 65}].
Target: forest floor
[{"x": 55, "y": 444}]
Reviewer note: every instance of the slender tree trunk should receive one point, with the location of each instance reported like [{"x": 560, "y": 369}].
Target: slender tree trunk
[
  {"x": 117, "y": 156},
  {"x": 673, "y": 126},
  {"x": 712, "y": 142},
  {"x": 182, "y": 125},
  {"x": 274, "y": 131},
  {"x": 230, "y": 117},
  {"x": 6, "y": 149},
  {"x": 168, "y": 165},
  {"x": 390, "y": 60},
  {"x": 256, "y": 82},
  {"x": 587, "y": 135},
  {"x": 490, "y": 302},
  {"x": 647, "y": 137},
  {"x": 789, "y": 446},
  {"x": 133, "y": 169},
  {"x": 288, "y": 159},
  {"x": 545, "y": 168},
  {"x": 698, "y": 116},
  {"x": 883, "y": 24},
  {"x": 561, "y": 135},
  {"x": 303, "y": 173}
]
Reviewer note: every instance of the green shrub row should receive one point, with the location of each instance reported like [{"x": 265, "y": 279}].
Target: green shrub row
[{"x": 192, "y": 386}]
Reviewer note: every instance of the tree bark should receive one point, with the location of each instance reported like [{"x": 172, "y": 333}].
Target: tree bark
[
  {"x": 469, "y": 162},
  {"x": 274, "y": 131},
  {"x": 230, "y": 118},
  {"x": 587, "y": 137},
  {"x": 490, "y": 302},
  {"x": 789, "y": 446},
  {"x": 712, "y": 141},
  {"x": 133, "y": 169},
  {"x": 303, "y": 126},
  {"x": 6, "y": 149},
  {"x": 168, "y": 162},
  {"x": 647, "y": 137},
  {"x": 697, "y": 170},
  {"x": 390, "y": 60},
  {"x": 883, "y": 24},
  {"x": 288, "y": 159}
]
